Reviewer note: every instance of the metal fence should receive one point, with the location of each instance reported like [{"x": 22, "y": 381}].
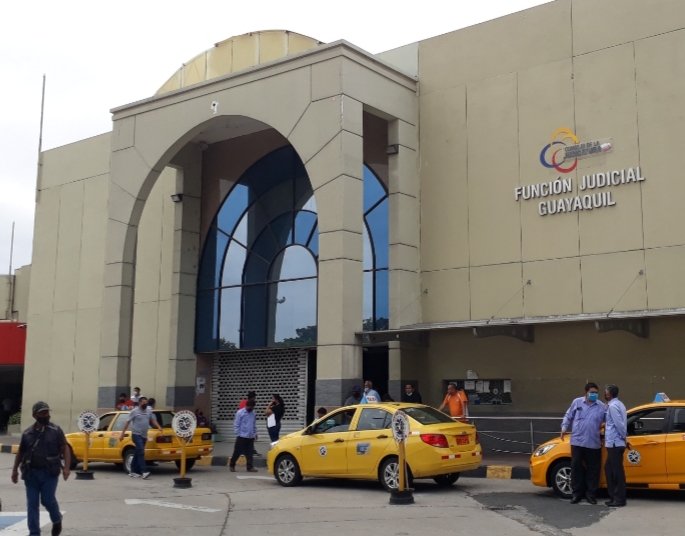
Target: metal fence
[{"x": 515, "y": 434}]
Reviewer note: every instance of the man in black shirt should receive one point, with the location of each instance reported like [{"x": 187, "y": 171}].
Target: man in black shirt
[
  {"x": 42, "y": 449},
  {"x": 411, "y": 395}
]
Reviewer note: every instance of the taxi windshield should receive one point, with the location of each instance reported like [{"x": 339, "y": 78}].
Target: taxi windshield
[{"x": 427, "y": 415}]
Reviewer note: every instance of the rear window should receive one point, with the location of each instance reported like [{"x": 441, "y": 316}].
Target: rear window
[
  {"x": 427, "y": 415},
  {"x": 164, "y": 418}
]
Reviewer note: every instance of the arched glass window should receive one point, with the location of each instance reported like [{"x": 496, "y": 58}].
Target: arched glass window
[
  {"x": 257, "y": 282},
  {"x": 376, "y": 247}
]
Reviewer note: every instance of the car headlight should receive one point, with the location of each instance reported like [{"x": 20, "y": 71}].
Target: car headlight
[{"x": 544, "y": 449}]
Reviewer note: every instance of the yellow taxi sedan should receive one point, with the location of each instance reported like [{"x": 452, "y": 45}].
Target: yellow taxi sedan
[
  {"x": 356, "y": 442},
  {"x": 655, "y": 459},
  {"x": 161, "y": 446}
]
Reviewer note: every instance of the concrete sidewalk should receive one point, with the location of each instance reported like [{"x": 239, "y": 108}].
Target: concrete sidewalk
[{"x": 495, "y": 464}]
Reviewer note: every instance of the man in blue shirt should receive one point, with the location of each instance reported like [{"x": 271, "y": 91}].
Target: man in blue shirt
[
  {"x": 585, "y": 417},
  {"x": 245, "y": 428},
  {"x": 615, "y": 433}
]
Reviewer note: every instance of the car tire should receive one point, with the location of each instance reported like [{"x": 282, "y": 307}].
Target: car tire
[
  {"x": 389, "y": 477},
  {"x": 287, "y": 471},
  {"x": 190, "y": 462},
  {"x": 445, "y": 481},
  {"x": 560, "y": 479},
  {"x": 74, "y": 461},
  {"x": 128, "y": 459}
]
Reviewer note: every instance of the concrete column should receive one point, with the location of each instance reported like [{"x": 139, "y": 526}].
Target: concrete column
[
  {"x": 405, "y": 224},
  {"x": 182, "y": 360},
  {"x": 329, "y": 139},
  {"x": 128, "y": 173}
]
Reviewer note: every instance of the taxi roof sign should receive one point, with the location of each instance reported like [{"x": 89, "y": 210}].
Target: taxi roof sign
[{"x": 661, "y": 397}]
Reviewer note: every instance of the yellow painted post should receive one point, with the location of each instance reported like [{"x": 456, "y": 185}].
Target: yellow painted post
[
  {"x": 85, "y": 453},
  {"x": 183, "y": 457},
  {"x": 402, "y": 467}
]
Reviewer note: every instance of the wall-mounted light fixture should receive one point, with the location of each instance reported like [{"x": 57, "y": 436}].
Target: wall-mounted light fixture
[
  {"x": 177, "y": 198},
  {"x": 392, "y": 149}
]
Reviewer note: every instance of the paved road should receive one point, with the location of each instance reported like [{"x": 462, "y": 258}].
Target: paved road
[{"x": 222, "y": 503}]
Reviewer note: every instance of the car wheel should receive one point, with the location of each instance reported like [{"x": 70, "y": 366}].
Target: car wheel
[
  {"x": 560, "y": 478},
  {"x": 447, "y": 480},
  {"x": 74, "y": 461},
  {"x": 389, "y": 477},
  {"x": 128, "y": 459},
  {"x": 190, "y": 462},
  {"x": 287, "y": 471}
]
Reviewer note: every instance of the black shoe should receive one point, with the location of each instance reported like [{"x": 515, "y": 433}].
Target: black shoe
[
  {"x": 591, "y": 500},
  {"x": 231, "y": 468},
  {"x": 612, "y": 504},
  {"x": 57, "y": 528},
  {"x": 576, "y": 500}
]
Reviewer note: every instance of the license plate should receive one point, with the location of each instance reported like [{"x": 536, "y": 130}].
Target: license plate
[{"x": 462, "y": 439}]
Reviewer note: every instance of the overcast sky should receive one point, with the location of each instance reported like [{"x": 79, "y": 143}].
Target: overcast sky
[{"x": 99, "y": 54}]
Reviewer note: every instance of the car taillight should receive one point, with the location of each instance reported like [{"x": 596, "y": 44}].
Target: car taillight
[
  {"x": 163, "y": 439},
  {"x": 477, "y": 439},
  {"x": 206, "y": 437},
  {"x": 435, "y": 440}
]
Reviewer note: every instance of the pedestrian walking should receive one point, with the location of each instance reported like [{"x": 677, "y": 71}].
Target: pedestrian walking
[
  {"x": 584, "y": 417},
  {"x": 245, "y": 428},
  {"x": 615, "y": 432},
  {"x": 355, "y": 396},
  {"x": 43, "y": 454},
  {"x": 456, "y": 402},
  {"x": 140, "y": 421},
  {"x": 274, "y": 413}
]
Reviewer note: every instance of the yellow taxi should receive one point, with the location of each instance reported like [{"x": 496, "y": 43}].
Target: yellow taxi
[
  {"x": 357, "y": 442},
  {"x": 655, "y": 458},
  {"x": 161, "y": 446}
]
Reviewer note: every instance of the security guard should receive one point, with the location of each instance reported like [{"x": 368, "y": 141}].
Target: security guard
[{"x": 42, "y": 450}]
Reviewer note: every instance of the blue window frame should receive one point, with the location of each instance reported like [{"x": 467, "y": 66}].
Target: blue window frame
[
  {"x": 376, "y": 252},
  {"x": 257, "y": 282}
]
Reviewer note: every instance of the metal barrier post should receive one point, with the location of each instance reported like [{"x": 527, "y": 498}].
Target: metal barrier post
[{"x": 532, "y": 437}]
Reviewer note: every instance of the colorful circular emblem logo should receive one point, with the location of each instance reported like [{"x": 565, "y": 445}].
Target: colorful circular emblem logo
[
  {"x": 633, "y": 457},
  {"x": 553, "y": 155}
]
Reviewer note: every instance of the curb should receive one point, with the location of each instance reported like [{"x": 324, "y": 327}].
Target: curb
[
  {"x": 9, "y": 449},
  {"x": 502, "y": 472},
  {"x": 222, "y": 461}
]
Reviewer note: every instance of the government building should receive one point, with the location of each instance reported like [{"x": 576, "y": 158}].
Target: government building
[{"x": 500, "y": 206}]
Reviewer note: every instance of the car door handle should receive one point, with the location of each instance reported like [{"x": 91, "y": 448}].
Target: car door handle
[
  {"x": 339, "y": 441},
  {"x": 382, "y": 436}
]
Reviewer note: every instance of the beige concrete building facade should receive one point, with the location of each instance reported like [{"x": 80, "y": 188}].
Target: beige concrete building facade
[{"x": 525, "y": 235}]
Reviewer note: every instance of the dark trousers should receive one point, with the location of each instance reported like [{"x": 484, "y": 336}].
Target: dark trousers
[
  {"x": 244, "y": 446},
  {"x": 40, "y": 488},
  {"x": 138, "y": 463},
  {"x": 274, "y": 432},
  {"x": 585, "y": 466},
  {"x": 615, "y": 474}
]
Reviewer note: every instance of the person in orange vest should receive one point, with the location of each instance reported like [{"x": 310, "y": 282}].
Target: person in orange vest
[{"x": 456, "y": 401}]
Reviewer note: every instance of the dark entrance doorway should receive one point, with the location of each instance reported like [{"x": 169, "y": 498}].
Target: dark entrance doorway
[{"x": 375, "y": 367}]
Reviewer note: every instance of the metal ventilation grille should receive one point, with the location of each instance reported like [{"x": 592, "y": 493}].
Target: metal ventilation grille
[{"x": 282, "y": 371}]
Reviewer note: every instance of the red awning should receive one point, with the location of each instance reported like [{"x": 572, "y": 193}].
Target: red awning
[{"x": 12, "y": 343}]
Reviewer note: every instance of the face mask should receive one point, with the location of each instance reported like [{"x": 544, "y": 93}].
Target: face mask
[
  {"x": 592, "y": 397},
  {"x": 43, "y": 420}
]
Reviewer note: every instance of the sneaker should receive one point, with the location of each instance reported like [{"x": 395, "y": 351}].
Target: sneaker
[
  {"x": 134, "y": 475},
  {"x": 146, "y": 475},
  {"x": 57, "y": 528}
]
